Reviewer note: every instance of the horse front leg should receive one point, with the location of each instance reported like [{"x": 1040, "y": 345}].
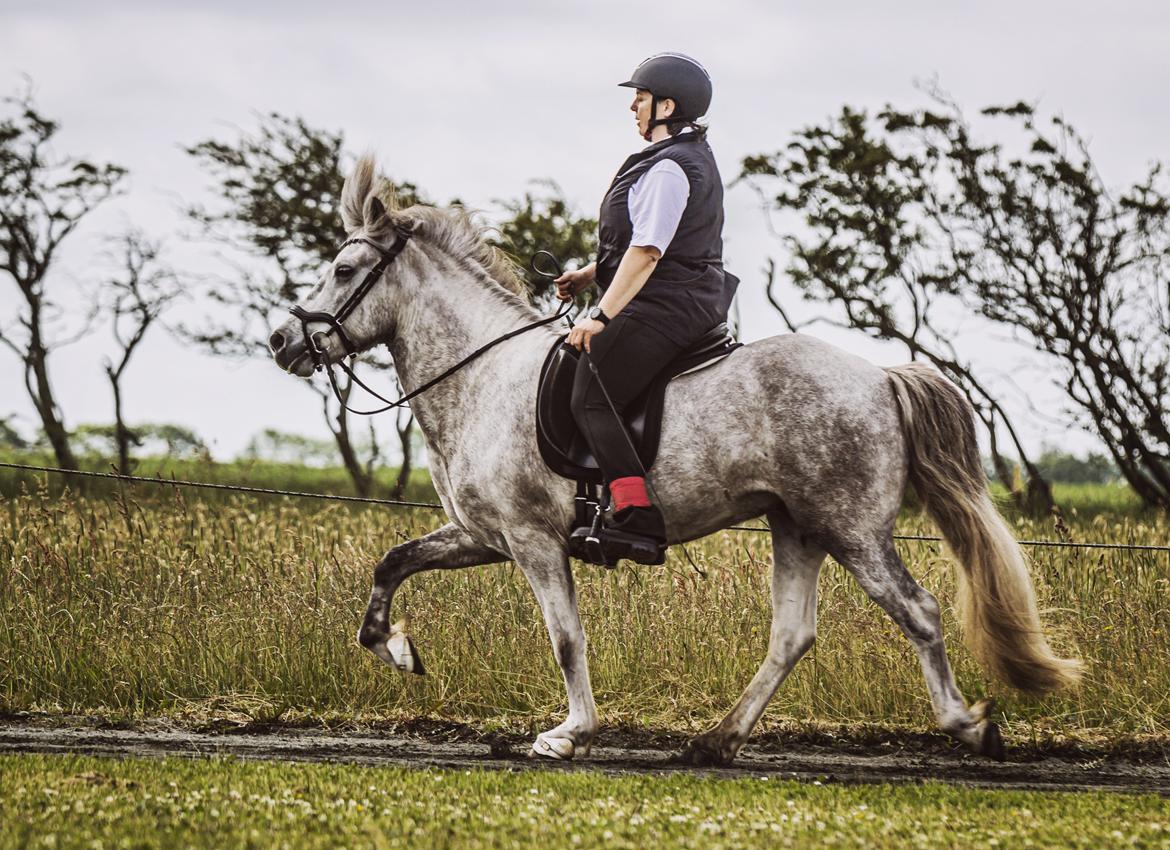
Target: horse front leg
[
  {"x": 445, "y": 548},
  {"x": 546, "y": 566}
]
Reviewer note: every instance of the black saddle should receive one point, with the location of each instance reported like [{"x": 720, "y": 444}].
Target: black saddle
[{"x": 562, "y": 445}]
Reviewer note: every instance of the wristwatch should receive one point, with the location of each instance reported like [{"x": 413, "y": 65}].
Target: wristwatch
[{"x": 598, "y": 314}]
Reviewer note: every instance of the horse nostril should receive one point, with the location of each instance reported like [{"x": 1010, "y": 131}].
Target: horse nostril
[{"x": 276, "y": 341}]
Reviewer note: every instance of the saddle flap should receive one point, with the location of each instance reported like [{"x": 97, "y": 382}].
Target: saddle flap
[{"x": 561, "y": 444}]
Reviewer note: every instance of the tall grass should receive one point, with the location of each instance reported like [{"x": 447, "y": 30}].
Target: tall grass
[{"x": 140, "y": 604}]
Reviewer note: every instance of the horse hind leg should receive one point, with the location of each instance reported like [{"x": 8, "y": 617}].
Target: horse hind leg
[
  {"x": 795, "y": 569},
  {"x": 883, "y": 576}
]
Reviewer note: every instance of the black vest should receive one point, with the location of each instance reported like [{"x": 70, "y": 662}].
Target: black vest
[{"x": 689, "y": 292}]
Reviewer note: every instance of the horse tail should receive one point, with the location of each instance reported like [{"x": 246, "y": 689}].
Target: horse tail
[{"x": 996, "y": 601}]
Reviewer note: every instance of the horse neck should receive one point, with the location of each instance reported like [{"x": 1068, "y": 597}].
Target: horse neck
[{"x": 452, "y": 315}]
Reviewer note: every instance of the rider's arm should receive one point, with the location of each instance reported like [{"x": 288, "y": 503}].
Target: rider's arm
[
  {"x": 634, "y": 270},
  {"x": 656, "y": 205}
]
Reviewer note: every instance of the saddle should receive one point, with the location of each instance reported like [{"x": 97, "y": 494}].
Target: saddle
[{"x": 563, "y": 447}]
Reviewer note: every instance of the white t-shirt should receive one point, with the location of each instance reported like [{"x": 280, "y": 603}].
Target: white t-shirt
[{"x": 656, "y": 202}]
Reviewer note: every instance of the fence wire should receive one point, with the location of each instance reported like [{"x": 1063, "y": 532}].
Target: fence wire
[{"x": 331, "y": 497}]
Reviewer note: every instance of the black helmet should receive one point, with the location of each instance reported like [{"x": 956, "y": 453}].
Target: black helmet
[{"x": 679, "y": 77}]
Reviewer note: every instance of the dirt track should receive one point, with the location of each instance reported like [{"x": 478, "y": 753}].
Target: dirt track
[{"x": 432, "y": 745}]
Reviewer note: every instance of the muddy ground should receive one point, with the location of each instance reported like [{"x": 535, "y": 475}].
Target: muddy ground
[{"x": 895, "y": 757}]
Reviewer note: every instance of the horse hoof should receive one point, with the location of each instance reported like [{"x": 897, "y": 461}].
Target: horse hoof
[
  {"x": 989, "y": 742},
  {"x": 701, "y": 754},
  {"x": 402, "y": 654},
  {"x": 991, "y": 745},
  {"x": 558, "y": 749}
]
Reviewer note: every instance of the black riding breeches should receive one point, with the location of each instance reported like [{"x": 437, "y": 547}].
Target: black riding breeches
[{"x": 627, "y": 354}]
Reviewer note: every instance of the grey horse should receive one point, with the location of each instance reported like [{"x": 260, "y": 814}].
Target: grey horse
[{"x": 819, "y": 441}]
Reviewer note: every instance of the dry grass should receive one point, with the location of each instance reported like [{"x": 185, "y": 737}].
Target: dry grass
[{"x": 137, "y": 605}]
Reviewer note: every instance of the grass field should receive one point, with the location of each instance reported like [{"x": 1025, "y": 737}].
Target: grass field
[
  {"x": 60, "y": 802},
  {"x": 135, "y": 602}
]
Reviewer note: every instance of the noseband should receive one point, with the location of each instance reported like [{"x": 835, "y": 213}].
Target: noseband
[{"x": 334, "y": 320}]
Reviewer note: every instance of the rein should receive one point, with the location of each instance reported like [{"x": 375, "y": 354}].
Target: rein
[{"x": 334, "y": 321}]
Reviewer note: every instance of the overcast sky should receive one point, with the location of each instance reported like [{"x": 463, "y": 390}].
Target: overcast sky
[{"x": 474, "y": 99}]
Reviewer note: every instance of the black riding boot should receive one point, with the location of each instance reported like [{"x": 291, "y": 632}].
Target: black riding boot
[
  {"x": 638, "y": 534},
  {"x": 639, "y": 522}
]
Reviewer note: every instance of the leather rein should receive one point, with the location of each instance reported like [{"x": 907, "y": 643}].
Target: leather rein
[{"x": 335, "y": 320}]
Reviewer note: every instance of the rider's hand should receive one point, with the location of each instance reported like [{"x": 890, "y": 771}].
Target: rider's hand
[
  {"x": 583, "y": 332},
  {"x": 573, "y": 282}
]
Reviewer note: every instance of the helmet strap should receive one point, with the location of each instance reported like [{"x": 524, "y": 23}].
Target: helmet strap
[{"x": 655, "y": 120}]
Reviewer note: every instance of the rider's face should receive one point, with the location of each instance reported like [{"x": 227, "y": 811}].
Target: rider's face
[{"x": 641, "y": 109}]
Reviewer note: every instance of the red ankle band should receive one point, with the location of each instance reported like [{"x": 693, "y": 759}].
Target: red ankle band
[{"x": 629, "y": 492}]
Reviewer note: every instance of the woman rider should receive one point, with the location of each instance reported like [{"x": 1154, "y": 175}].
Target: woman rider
[{"x": 660, "y": 269}]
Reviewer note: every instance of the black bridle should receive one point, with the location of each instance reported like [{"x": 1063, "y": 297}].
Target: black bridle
[{"x": 334, "y": 320}]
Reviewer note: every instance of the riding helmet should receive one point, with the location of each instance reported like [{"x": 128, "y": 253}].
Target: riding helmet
[{"x": 679, "y": 77}]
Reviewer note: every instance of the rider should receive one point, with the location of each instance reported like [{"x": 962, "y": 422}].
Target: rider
[{"x": 660, "y": 268}]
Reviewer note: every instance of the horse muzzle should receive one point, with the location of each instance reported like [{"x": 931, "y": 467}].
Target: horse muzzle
[{"x": 290, "y": 351}]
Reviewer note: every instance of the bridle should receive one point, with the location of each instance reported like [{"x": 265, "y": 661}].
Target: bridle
[
  {"x": 334, "y": 320},
  {"x": 404, "y": 230}
]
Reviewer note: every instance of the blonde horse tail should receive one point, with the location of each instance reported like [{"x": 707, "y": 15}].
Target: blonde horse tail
[{"x": 996, "y": 600}]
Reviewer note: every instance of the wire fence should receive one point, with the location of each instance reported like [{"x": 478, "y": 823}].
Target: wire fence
[{"x": 401, "y": 503}]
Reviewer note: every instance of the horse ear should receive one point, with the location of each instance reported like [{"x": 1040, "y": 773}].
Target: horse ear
[
  {"x": 377, "y": 210},
  {"x": 358, "y": 187}
]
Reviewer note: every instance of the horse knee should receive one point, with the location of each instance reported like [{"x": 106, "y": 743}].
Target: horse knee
[
  {"x": 792, "y": 642},
  {"x": 924, "y": 620}
]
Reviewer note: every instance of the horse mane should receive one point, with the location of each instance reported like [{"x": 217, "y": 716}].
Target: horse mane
[{"x": 454, "y": 230}]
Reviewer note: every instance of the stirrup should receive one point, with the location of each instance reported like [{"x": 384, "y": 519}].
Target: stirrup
[{"x": 606, "y": 547}]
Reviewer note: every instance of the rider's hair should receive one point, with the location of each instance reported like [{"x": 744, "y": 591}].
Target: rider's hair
[{"x": 676, "y": 127}]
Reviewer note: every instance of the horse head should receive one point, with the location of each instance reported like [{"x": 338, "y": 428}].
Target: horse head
[{"x": 354, "y": 304}]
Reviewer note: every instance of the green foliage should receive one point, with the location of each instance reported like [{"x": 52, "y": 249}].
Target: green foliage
[
  {"x": 160, "y": 439},
  {"x": 10, "y": 438},
  {"x": 1094, "y": 468},
  {"x": 284, "y": 447},
  {"x": 73, "y": 801},
  {"x": 546, "y": 222}
]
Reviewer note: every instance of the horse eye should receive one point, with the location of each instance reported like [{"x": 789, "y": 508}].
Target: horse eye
[{"x": 343, "y": 271}]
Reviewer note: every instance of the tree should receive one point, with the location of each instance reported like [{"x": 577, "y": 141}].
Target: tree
[
  {"x": 134, "y": 301},
  {"x": 905, "y": 212},
  {"x": 283, "y": 447},
  {"x": 545, "y": 222},
  {"x": 43, "y": 198},
  {"x": 280, "y": 189},
  {"x": 10, "y": 438}
]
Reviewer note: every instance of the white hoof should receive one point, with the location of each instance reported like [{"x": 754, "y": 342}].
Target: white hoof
[
  {"x": 560, "y": 749},
  {"x": 400, "y": 652}
]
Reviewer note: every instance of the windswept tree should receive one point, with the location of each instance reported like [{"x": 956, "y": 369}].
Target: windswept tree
[
  {"x": 906, "y": 209},
  {"x": 280, "y": 189},
  {"x": 43, "y": 199},
  {"x": 134, "y": 299},
  {"x": 545, "y": 220}
]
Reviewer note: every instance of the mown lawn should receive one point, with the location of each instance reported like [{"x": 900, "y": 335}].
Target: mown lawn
[{"x": 67, "y": 801}]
